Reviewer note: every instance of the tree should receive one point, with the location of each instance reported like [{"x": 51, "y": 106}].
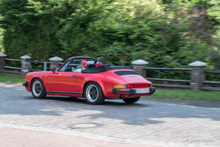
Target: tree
[
  {"x": 1, "y": 40},
  {"x": 116, "y": 32},
  {"x": 214, "y": 14},
  {"x": 30, "y": 28}
]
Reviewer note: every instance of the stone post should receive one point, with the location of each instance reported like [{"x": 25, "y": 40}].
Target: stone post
[
  {"x": 55, "y": 62},
  {"x": 2, "y": 60},
  {"x": 197, "y": 75},
  {"x": 139, "y": 65},
  {"x": 25, "y": 64}
]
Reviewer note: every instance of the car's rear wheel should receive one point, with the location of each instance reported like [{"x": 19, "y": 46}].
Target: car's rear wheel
[
  {"x": 37, "y": 89},
  {"x": 131, "y": 100},
  {"x": 93, "y": 93}
]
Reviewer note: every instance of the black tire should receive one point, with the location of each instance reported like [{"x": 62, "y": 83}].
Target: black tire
[
  {"x": 131, "y": 100},
  {"x": 37, "y": 89},
  {"x": 93, "y": 94}
]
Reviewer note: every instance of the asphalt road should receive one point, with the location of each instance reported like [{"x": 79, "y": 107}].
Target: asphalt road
[{"x": 146, "y": 123}]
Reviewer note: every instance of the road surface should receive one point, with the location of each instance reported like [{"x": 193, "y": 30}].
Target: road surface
[{"x": 146, "y": 123}]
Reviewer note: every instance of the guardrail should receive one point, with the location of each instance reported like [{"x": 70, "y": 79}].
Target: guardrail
[
  {"x": 39, "y": 62},
  {"x": 182, "y": 81},
  {"x": 26, "y": 64},
  {"x": 211, "y": 82},
  {"x": 196, "y": 81},
  {"x": 197, "y": 72},
  {"x": 10, "y": 69},
  {"x": 186, "y": 82}
]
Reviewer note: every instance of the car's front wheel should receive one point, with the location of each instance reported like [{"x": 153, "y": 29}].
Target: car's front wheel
[
  {"x": 131, "y": 100},
  {"x": 93, "y": 93},
  {"x": 37, "y": 89}
]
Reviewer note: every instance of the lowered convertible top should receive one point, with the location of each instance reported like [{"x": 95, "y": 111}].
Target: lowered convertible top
[{"x": 104, "y": 68}]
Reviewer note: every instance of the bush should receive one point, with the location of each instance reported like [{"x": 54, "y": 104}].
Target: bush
[
  {"x": 30, "y": 28},
  {"x": 1, "y": 40},
  {"x": 116, "y": 32}
]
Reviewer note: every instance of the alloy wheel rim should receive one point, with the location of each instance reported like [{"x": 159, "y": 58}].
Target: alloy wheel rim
[
  {"x": 92, "y": 93},
  {"x": 37, "y": 88}
]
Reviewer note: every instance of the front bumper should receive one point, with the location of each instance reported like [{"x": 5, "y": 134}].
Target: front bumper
[
  {"x": 25, "y": 84},
  {"x": 132, "y": 91}
]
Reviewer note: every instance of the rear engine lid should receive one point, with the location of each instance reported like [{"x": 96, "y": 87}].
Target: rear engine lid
[{"x": 132, "y": 77}]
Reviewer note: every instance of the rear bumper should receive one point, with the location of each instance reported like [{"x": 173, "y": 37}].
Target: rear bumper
[
  {"x": 132, "y": 91},
  {"x": 152, "y": 90}
]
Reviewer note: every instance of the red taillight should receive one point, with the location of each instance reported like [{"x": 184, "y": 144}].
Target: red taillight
[
  {"x": 130, "y": 86},
  {"x": 138, "y": 85}
]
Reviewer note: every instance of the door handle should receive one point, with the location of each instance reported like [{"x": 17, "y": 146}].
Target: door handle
[{"x": 74, "y": 76}]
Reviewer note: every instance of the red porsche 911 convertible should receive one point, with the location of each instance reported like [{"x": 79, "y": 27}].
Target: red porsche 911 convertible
[{"x": 95, "y": 84}]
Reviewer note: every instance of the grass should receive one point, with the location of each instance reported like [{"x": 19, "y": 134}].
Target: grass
[
  {"x": 183, "y": 94},
  {"x": 178, "y": 94},
  {"x": 11, "y": 79}
]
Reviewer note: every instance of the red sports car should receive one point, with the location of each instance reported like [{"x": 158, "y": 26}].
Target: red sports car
[{"x": 95, "y": 84}]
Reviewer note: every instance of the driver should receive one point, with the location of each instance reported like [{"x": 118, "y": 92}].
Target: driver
[{"x": 82, "y": 65}]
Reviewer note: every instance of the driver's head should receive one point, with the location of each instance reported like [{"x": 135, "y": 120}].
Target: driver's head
[{"x": 83, "y": 63}]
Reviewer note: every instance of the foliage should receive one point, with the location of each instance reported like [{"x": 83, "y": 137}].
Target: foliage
[
  {"x": 164, "y": 32},
  {"x": 29, "y": 29},
  {"x": 1, "y": 40},
  {"x": 214, "y": 13},
  {"x": 127, "y": 30}
]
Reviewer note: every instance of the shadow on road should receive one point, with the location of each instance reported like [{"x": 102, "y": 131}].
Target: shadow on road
[
  {"x": 14, "y": 100},
  {"x": 140, "y": 113}
]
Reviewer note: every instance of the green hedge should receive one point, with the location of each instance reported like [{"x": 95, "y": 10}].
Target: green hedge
[
  {"x": 116, "y": 32},
  {"x": 1, "y": 39}
]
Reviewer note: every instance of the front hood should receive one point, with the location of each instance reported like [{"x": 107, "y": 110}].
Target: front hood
[{"x": 39, "y": 73}]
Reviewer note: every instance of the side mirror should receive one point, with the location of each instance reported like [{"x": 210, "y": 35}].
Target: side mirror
[{"x": 53, "y": 69}]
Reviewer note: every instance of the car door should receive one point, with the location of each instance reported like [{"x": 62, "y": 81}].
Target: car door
[{"x": 63, "y": 81}]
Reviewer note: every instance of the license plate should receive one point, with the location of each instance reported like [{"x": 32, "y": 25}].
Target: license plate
[{"x": 140, "y": 91}]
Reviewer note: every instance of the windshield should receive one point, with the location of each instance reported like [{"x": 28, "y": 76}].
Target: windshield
[{"x": 74, "y": 64}]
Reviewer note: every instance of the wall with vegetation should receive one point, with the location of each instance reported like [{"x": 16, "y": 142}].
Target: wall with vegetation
[
  {"x": 1, "y": 38},
  {"x": 167, "y": 33}
]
